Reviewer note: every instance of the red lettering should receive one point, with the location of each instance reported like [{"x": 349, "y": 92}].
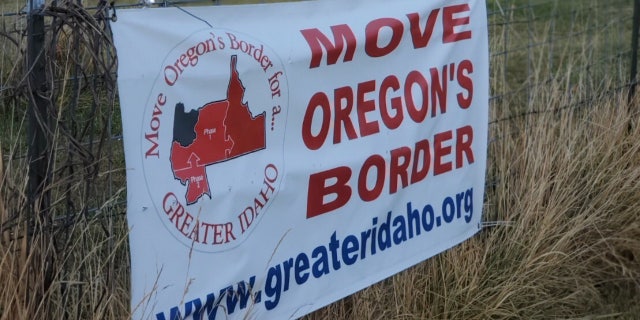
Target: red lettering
[
  {"x": 330, "y": 189},
  {"x": 189, "y": 58},
  {"x": 344, "y": 41},
  {"x": 160, "y": 102},
  {"x": 206, "y": 226},
  {"x": 419, "y": 173},
  {"x": 257, "y": 205},
  {"x": 154, "y": 125},
  {"x": 175, "y": 210},
  {"x": 312, "y": 142},
  {"x": 398, "y": 169},
  {"x": 341, "y": 115},
  {"x": 184, "y": 61},
  {"x": 264, "y": 193},
  {"x": 364, "y": 106},
  {"x": 217, "y": 233},
  {"x": 318, "y": 190},
  {"x": 246, "y": 218},
  {"x": 372, "y": 33},
  {"x": 195, "y": 232},
  {"x": 415, "y": 96},
  {"x": 440, "y": 151},
  {"x": 438, "y": 91},
  {"x": 186, "y": 223},
  {"x": 464, "y": 139},
  {"x": 171, "y": 75},
  {"x": 449, "y": 23},
  {"x": 421, "y": 38},
  {"x": 165, "y": 201},
  {"x": 153, "y": 150},
  {"x": 415, "y": 77},
  {"x": 378, "y": 162},
  {"x": 342, "y": 35},
  {"x": 218, "y": 230},
  {"x": 391, "y": 122},
  {"x": 177, "y": 214},
  {"x": 464, "y": 69},
  {"x": 228, "y": 228}
]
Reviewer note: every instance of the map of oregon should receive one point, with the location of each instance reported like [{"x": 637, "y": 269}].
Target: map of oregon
[{"x": 216, "y": 132}]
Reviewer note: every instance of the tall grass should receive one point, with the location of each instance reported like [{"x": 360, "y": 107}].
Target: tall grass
[
  {"x": 65, "y": 257},
  {"x": 563, "y": 199},
  {"x": 568, "y": 245}
]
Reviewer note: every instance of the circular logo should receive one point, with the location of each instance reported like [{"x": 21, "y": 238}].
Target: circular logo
[{"x": 212, "y": 138}]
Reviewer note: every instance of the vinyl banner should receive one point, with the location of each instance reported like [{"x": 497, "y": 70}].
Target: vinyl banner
[{"x": 282, "y": 156}]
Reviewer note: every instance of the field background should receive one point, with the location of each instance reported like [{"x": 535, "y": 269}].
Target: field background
[{"x": 561, "y": 236}]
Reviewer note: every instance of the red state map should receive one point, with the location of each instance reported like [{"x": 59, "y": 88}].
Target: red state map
[{"x": 216, "y": 132}]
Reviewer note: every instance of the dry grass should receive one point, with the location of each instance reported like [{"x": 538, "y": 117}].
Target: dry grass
[
  {"x": 569, "y": 243},
  {"x": 569, "y": 247},
  {"x": 563, "y": 184}
]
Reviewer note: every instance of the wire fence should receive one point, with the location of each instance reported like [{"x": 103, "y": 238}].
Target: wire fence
[{"x": 61, "y": 144}]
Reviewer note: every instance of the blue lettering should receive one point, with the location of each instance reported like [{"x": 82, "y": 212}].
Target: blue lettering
[
  {"x": 174, "y": 314},
  {"x": 427, "y": 224},
  {"x": 448, "y": 214},
  {"x": 321, "y": 266},
  {"x": 334, "y": 244},
  {"x": 211, "y": 307},
  {"x": 373, "y": 236},
  {"x": 384, "y": 236},
  {"x": 400, "y": 233},
  {"x": 242, "y": 295},
  {"x": 363, "y": 240},
  {"x": 468, "y": 205},
  {"x": 287, "y": 265},
  {"x": 413, "y": 215},
  {"x": 273, "y": 287},
  {"x": 349, "y": 246},
  {"x": 302, "y": 264}
]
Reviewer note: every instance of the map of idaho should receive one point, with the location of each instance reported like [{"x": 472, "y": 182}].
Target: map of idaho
[{"x": 216, "y": 132}]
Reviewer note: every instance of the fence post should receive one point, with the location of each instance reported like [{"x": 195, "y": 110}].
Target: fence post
[
  {"x": 634, "y": 50},
  {"x": 39, "y": 146},
  {"x": 38, "y": 118}
]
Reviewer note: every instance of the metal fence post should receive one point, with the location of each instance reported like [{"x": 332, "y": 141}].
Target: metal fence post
[
  {"x": 634, "y": 50},
  {"x": 38, "y": 119},
  {"x": 38, "y": 138}
]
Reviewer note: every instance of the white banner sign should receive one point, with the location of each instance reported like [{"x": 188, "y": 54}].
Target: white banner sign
[{"x": 283, "y": 156}]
